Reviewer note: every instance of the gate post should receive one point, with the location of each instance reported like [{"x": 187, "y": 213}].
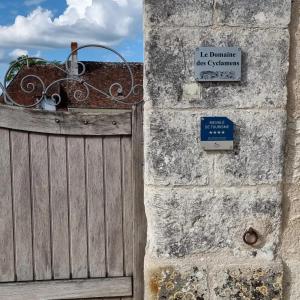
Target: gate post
[{"x": 214, "y": 217}]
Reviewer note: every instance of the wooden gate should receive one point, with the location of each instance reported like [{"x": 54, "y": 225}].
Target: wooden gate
[{"x": 72, "y": 222}]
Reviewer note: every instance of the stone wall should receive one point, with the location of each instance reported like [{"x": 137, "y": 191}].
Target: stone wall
[
  {"x": 290, "y": 248},
  {"x": 199, "y": 204}
]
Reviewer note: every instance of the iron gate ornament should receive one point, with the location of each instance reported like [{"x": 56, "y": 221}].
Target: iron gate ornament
[{"x": 78, "y": 94}]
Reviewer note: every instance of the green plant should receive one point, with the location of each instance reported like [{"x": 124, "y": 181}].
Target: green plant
[{"x": 22, "y": 61}]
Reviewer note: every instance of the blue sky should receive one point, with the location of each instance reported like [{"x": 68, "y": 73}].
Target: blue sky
[{"x": 45, "y": 28}]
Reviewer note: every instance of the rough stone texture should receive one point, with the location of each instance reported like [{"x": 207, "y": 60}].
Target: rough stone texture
[
  {"x": 292, "y": 202},
  {"x": 291, "y": 225},
  {"x": 292, "y": 174},
  {"x": 199, "y": 204},
  {"x": 169, "y": 68},
  {"x": 291, "y": 240},
  {"x": 259, "y": 154},
  {"x": 264, "y": 13},
  {"x": 292, "y": 280},
  {"x": 182, "y": 222},
  {"x": 179, "y": 13},
  {"x": 174, "y": 154},
  {"x": 173, "y": 284},
  {"x": 248, "y": 282}
]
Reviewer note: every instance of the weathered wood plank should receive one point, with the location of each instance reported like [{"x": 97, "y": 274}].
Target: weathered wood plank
[
  {"x": 66, "y": 123},
  {"x": 96, "y": 207},
  {"x": 78, "y": 209},
  {"x": 7, "y": 272},
  {"x": 128, "y": 204},
  {"x": 22, "y": 205},
  {"x": 113, "y": 204},
  {"x": 69, "y": 289},
  {"x": 140, "y": 224},
  {"x": 59, "y": 207},
  {"x": 40, "y": 206}
]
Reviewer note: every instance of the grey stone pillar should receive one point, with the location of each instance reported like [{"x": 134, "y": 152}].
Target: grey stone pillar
[
  {"x": 199, "y": 204},
  {"x": 290, "y": 242}
]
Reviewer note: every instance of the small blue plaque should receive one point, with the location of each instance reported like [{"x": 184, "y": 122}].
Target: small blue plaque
[{"x": 217, "y": 133}]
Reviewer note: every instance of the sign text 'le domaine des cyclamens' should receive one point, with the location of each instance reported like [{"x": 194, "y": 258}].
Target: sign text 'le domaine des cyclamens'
[{"x": 218, "y": 64}]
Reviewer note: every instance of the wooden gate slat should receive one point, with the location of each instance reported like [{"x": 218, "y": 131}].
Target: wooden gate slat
[
  {"x": 69, "y": 289},
  {"x": 77, "y": 199},
  {"x": 22, "y": 205},
  {"x": 128, "y": 205},
  {"x": 7, "y": 272},
  {"x": 96, "y": 207},
  {"x": 40, "y": 206},
  {"x": 140, "y": 223},
  {"x": 66, "y": 123},
  {"x": 113, "y": 202},
  {"x": 59, "y": 207}
]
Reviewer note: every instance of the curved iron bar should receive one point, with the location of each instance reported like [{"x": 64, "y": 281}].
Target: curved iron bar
[
  {"x": 76, "y": 91},
  {"x": 78, "y": 95},
  {"x": 9, "y": 100},
  {"x": 120, "y": 88}
]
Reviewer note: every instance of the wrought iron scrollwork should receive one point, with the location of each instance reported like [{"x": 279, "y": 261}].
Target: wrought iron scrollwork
[{"x": 30, "y": 83}]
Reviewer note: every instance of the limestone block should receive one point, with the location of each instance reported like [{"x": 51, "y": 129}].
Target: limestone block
[
  {"x": 253, "y": 13},
  {"x": 208, "y": 221},
  {"x": 176, "y": 284},
  {"x": 292, "y": 280},
  {"x": 259, "y": 155},
  {"x": 291, "y": 240},
  {"x": 173, "y": 154},
  {"x": 178, "y": 12},
  {"x": 248, "y": 282},
  {"x": 169, "y": 68},
  {"x": 292, "y": 163},
  {"x": 292, "y": 201},
  {"x": 294, "y": 74}
]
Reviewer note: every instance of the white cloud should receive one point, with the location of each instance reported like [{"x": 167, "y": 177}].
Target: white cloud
[
  {"x": 85, "y": 21},
  {"x": 17, "y": 53},
  {"x": 33, "y": 2},
  {"x": 8, "y": 55}
]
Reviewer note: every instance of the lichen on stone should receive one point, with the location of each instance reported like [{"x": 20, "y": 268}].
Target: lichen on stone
[
  {"x": 169, "y": 284},
  {"x": 249, "y": 283}
]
